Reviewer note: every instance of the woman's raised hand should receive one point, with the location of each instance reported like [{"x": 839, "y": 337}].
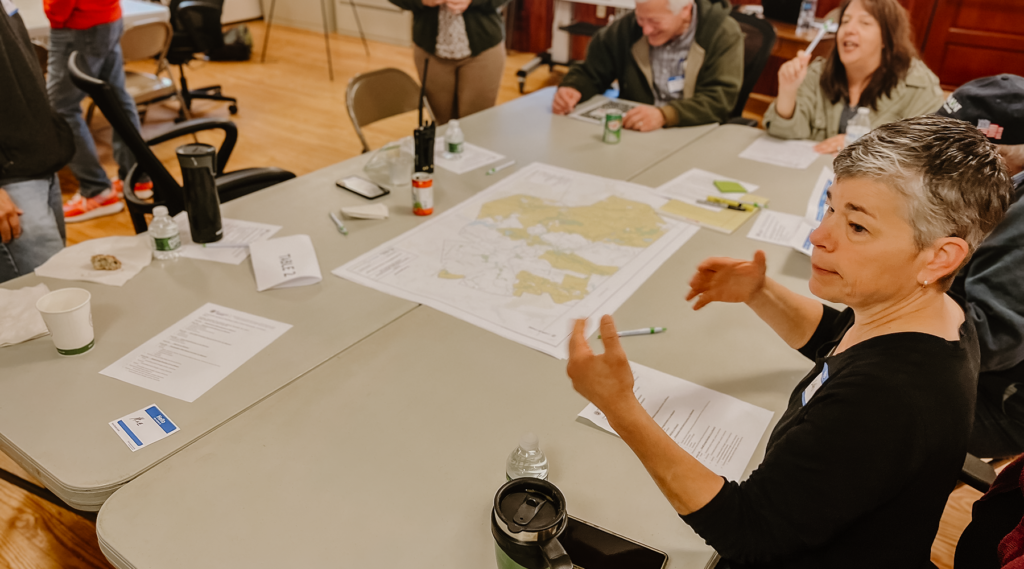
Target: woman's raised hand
[
  {"x": 720, "y": 279},
  {"x": 792, "y": 73}
]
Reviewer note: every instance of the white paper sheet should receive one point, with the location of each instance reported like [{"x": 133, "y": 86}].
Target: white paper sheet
[
  {"x": 284, "y": 262},
  {"x": 776, "y": 227},
  {"x": 695, "y": 185},
  {"x": 797, "y": 154},
  {"x": 75, "y": 262},
  {"x": 187, "y": 359},
  {"x": 372, "y": 211},
  {"x": 235, "y": 231},
  {"x": 530, "y": 254},
  {"x": 472, "y": 157},
  {"x": 792, "y": 230},
  {"x": 719, "y": 430},
  {"x": 594, "y": 111}
]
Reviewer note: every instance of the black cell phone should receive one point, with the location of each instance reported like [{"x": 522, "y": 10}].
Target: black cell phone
[
  {"x": 362, "y": 187},
  {"x": 590, "y": 547}
]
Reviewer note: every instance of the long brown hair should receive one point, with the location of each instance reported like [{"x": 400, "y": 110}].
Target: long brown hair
[{"x": 898, "y": 52}]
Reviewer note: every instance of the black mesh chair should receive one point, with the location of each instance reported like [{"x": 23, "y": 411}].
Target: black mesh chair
[
  {"x": 197, "y": 29},
  {"x": 758, "y": 40},
  {"x": 166, "y": 190}
]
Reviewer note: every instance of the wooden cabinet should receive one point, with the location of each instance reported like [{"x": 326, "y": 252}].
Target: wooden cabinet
[{"x": 968, "y": 39}]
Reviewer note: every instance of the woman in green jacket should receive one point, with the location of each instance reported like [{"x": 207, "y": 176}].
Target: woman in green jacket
[
  {"x": 464, "y": 41},
  {"x": 874, "y": 64}
]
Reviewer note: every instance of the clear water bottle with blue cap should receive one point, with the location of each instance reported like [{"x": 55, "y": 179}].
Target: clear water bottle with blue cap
[{"x": 805, "y": 22}]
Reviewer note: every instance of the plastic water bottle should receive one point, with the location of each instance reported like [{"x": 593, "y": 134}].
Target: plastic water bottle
[
  {"x": 454, "y": 140},
  {"x": 858, "y": 126},
  {"x": 163, "y": 232},
  {"x": 805, "y": 22},
  {"x": 527, "y": 461}
]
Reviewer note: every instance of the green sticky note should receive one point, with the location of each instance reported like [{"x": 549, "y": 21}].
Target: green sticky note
[{"x": 730, "y": 187}]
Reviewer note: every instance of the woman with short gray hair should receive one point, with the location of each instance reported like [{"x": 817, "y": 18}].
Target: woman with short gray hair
[{"x": 858, "y": 469}]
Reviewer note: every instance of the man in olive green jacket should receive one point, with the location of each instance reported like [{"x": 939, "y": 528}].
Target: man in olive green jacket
[{"x": 682, "y": 58}]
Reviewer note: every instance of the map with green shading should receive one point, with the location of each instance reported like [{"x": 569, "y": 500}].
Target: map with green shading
[
  {"x": 526, "y": 256},
  {"x": 568, "y": 244}
]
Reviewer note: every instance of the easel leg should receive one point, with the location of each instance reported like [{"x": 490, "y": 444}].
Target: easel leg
[
  {"x": 266, "y": 35},
  {"x": 327, "y": 39},
  {"x": 359, "y": 24}
]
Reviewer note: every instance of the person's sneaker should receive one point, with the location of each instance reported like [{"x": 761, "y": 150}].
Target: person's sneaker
[
  {"x": 80, "y": 208},
  {"x": 142, "y": 189}
]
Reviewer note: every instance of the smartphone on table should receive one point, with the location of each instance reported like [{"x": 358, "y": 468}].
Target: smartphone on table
[{"x": 362, "y": 187}]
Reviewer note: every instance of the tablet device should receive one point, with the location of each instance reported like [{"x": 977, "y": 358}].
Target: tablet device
[{"x": 591, "y": 547}]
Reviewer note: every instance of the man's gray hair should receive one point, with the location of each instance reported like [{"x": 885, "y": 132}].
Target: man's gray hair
[
  {"x": 674, "y": 6},
  {"x": 952, "y": 178}
]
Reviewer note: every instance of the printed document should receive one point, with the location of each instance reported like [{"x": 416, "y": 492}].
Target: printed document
[
  {"x": 792, "y": 230},
  {"x": 798, "y": 154},
  {"x": 719, "y": 430},
  {"x": 187, "y": 359},
  {"x": 530, "y": 254},
  {"x": 235, "y": 231}
]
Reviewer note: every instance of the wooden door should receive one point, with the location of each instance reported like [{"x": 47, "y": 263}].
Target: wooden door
[{"x": 975, "y": 38}]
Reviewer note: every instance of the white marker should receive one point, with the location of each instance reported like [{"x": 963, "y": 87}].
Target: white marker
[
  {"x": 821, "y": 33},
  {"x": 640, "y": 332},
  {"x": 497, "y": 169}
]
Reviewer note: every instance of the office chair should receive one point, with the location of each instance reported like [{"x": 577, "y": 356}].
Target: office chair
[
  {"x": 166, "y": 190},
  {"x": 380, "y": 94},
  {"x": 758, "y": 40},
  {"x": 197, "y": 29}
]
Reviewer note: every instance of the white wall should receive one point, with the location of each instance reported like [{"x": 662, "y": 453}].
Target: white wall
[
  {"x": 382, "y": 21},
  {"x": 303, "y": 14}
]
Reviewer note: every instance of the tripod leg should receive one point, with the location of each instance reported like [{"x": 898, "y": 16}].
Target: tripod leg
[
  {"x": 266, "y": 35},
  {"x": 327, "y": 39},
  {"x": 359, "y": 24}
]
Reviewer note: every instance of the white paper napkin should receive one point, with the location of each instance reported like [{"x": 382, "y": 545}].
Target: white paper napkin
[
  {"x": 75, "y": 263},
  {"x": 284, "y": 262},
  {"x": 19, "y": 319},
  {"x": 371, "y": 211}
]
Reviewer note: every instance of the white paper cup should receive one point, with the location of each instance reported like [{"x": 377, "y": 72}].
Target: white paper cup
[{"x": 68, "y": 316}]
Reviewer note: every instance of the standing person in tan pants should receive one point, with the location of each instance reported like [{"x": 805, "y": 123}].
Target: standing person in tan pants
[{"x": 464, "y": 41}]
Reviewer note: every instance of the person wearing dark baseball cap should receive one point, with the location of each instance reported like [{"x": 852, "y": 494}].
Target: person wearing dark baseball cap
[{"x": 991, "y": 281}]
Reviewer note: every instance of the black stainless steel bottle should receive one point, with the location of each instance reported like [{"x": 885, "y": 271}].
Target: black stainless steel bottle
[{"x": 202, "y": 202}]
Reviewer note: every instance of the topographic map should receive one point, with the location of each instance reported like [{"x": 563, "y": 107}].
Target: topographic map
[{"x": 530, "y": 254}]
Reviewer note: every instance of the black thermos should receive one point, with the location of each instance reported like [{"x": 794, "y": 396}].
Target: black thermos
[{"x": 198, "y": 163}]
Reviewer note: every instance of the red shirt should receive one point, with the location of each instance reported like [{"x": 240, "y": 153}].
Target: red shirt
[{"x": 81, "y": 14}]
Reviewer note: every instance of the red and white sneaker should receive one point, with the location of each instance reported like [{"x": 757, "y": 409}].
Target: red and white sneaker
[
  {"x": 79, "y": 208},
  {"x": 142, "y": 189}
]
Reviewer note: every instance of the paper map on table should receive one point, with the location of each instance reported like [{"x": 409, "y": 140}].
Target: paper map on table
[
  {"x": 719, "y": 430},
  {"x": 530, "y": 254},
  {"x": 594, "y": 111}
]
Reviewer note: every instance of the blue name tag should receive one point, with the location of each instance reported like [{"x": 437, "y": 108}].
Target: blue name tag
[{"x": 815, "y": 385}]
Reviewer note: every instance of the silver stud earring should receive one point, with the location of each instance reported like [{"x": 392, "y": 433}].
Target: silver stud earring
[{"x": 925, "y": 283}]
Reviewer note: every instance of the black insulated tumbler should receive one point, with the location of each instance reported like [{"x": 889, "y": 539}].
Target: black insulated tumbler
[{"x": 198, "y": 164}]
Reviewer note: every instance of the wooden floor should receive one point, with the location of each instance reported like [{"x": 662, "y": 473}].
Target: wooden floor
[{"x": 290, "y": 115}]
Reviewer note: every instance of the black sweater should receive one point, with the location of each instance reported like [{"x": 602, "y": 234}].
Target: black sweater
[{"x": 858, "y": 476}]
